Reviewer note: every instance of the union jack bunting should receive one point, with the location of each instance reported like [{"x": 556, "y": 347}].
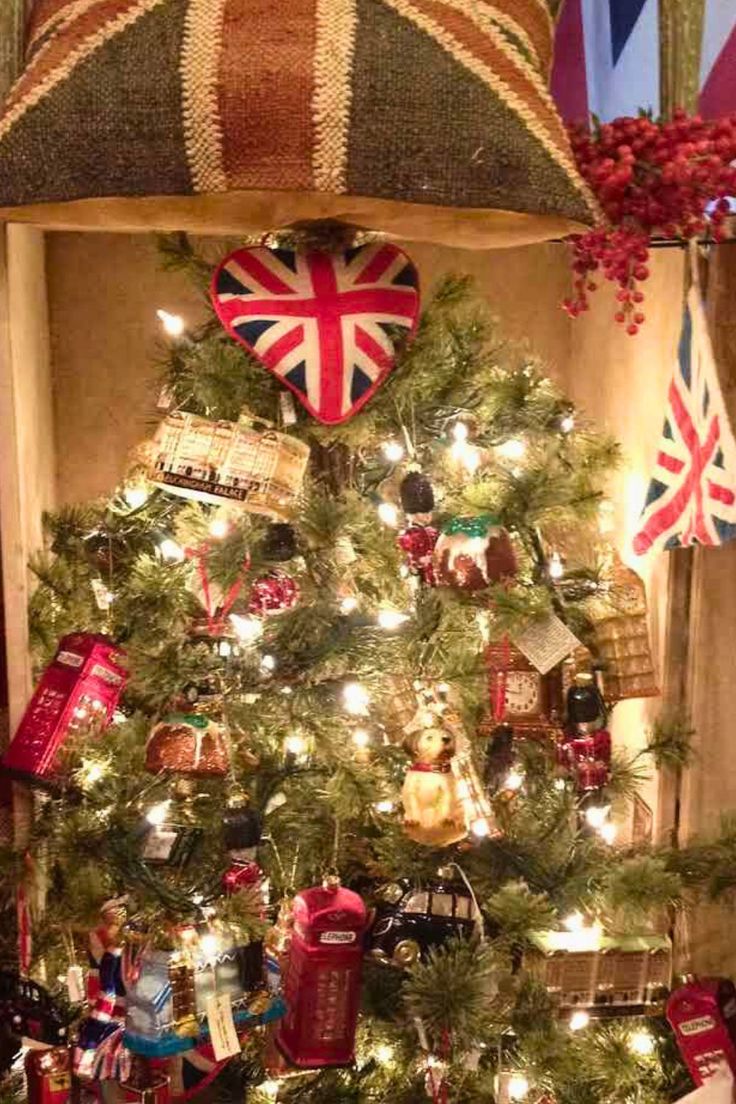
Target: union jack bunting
[
  {"x": 326, "y": 325},
  {"x": 692, "y": 493}
]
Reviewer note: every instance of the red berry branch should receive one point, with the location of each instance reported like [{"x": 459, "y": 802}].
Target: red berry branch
[{"x": 652, "y": 179}]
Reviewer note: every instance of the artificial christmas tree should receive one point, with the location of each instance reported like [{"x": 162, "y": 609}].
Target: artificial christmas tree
[{"x": 297, "y": 748}]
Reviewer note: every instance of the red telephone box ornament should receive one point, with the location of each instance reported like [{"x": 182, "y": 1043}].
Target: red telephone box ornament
[
  {"x": 78, "y": 691},
  {"x": 702, "y": 1015},
  {"x": 322, "y": 983},
  {"x": 49, "y": 1075}
]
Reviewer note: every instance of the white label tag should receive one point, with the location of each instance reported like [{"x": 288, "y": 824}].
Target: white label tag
[
  {"x": 222, "y": 1028},
  {"x": 545, "y": 642},
  {"x": 288, "y": 410},
  {"x": 337, "y": 937},
  {"x": 101, "y": 593},
  {"x": 75, "y": 984}
]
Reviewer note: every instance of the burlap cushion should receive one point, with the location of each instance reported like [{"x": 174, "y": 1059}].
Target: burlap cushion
[{"x": 428, "y": 118}]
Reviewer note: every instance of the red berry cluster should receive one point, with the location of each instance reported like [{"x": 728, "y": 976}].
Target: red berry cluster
[{"x": 652, "y": 178}]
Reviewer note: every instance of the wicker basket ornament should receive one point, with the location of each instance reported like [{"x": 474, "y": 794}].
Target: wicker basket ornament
[{"x": 429, "y": 119}]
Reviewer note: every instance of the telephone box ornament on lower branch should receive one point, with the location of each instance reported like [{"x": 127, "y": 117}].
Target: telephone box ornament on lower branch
[
  {"x": 323, "y": 975},
  {"x": 77, "y": 693},
  {"x": 49, "y": 1075},
  {"x": 702, "y": 1015}
]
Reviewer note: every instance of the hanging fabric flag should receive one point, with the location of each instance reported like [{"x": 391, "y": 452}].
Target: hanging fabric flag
[
  {"x": 692, "y": 493},
  {"x": 717, "y": 60}
]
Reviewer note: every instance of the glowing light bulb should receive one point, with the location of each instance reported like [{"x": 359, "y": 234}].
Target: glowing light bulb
[
  {"x": 247, "y": 629},
  {"x": 393, "y": 451},
  {"x": 460, "y": 432},
  {"x": 295, "y": 745},
  {"x": 384, "y": 1053},
  {"x": 135, "y": 496},
  {"x": 608, "y": 832},
  {"x": 268, "y": 663},
  {"x": 388, "y": 514},
  {"x": 567, "y": 424},
  {"x": 480, "y": 828},
  {"x": 361, "y": 737},
  {"x": 512, "y": 449},
  {"x": 349, "y": 604},
  {"x": 641, "y": 1043},
  {"x": 269, "y": 1089},
  {"x": 560, "y": 784},
  {"x": 597, "y": 815},
  {"x": 90, "y": 772},
  {"x": 355, "y": 698},
  {"x": 518, "y": 1087},
  {"x": 555, "y": 566},
  {"x": 156, "y": 815},
  {"x": 514, "y": 780},
  {"x": 219, "y": 528},
  {"x": 170, "y": 550},
  {"x": 208, "y": 944},
  {"x": 579, "y": 1019},
  {"x": 173, "y": 324},
  {"x": 384, "y": 807},
  {"x": 574, "y": 922},
  {"x": 390, "y": 619}
]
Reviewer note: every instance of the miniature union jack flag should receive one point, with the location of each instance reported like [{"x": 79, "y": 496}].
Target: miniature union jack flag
[
  {"x": 692, "y": 493},
  {"x": 326, "y": 324}
]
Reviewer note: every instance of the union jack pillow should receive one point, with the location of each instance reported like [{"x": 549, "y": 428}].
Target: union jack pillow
[{"x": 326, "y": 324}]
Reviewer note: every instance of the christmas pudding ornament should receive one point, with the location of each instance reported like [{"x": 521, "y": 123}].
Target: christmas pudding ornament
[
  {"x": 473, "y": 552},
  {"x": 702, "y": 1015},
  {"x": 246, "y": 463},
  {"x": 188, "y": 743},
  {"x": 326, "y": 324},
  {"x": 431, "y": 123},
  {"x": 433, "y": 812},
  {"x": 77, "y": 693},
  {"x": 273, "y": 593},
  {"x": 323, "y": 974}
]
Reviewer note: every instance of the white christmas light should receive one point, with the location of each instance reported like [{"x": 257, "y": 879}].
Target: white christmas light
[
  {"x": 608, "y": 832},
  {"x": 567, "y": 424},
  {"x": 361, "y": 737},
  {"x": 90, "y": 772},
  {"x": 135, "y": 496},
  {"x": 219, "y": 528},
  {"x": 248, "y": 629},
  {"x": 393, "y": 451},
  {"x": 518, "y": 1087},
  {"x": 560, "y": 784},
  {"x": 574, "y": 922},
  {"x": 173, "y": 324},
  {"x": 513, "y": 449},
  {"x": 208, "y": 944},
  {"x": 170, "y": 550},
  {"x": 269, "y": 1089},
  {"x": 480, "y": 828},
  {"x": 460, "y": 432},
  {"x": 579, "y": 1020},
  {"x": 641, "y": 1043},
  {"x": 467, "y": 455},
  {"x": 268, "y": 663},
  {"x": 597, "y": 815},
  {"x": 384, "y": 807},
  {"x": 555, "y": 566},
  {"x": 156, "y": 815},
  {"x": 388, "y": 514},
  {"x": 295, "y": 745},
  {"x": 349, "y": 604},
  {"x": 514, "y": 780},
  {"x": 384, "y": 1053},
  {"x": 355, "y": 698},
  {"x": 390, "y": 619}
]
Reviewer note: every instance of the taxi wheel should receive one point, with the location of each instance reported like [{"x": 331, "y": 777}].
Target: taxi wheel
[{"x": 406, "y": 952}]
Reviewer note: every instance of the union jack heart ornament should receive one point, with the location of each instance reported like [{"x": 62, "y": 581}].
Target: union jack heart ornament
[{"x": 326, "y": 324}]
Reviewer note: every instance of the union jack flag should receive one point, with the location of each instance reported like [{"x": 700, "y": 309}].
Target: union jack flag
[
  {"x": 692, "y": 493},
  {"x": 325, "y": 324}
]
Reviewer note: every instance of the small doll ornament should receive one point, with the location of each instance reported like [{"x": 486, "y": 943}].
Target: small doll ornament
[
  {"x": 473, "y": 552},
  {"x": 241, "y": 836},
  {"x": 586, "y": 750}
]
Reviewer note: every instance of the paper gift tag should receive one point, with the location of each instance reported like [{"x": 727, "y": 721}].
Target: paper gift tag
[
  {"x": 75, "y": 984},
  {"x": 222, "y": 1028},
  {"x": 545, "y": 642}
]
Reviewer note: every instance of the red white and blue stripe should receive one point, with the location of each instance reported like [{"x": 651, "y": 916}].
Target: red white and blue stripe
[
  {"x": 607, "y": 59},
  {"x": 692, "y": 493},
  {"x": 326, "y": 324}
]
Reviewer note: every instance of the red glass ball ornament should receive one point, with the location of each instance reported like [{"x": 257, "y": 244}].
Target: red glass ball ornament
[{"x": 274, "y": 592}]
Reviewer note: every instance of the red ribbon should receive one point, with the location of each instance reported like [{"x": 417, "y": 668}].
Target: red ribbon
[{"x": 216, "y": 617}]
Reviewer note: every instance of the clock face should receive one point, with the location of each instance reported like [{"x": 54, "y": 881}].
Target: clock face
[{"x": 523, "y": 693}]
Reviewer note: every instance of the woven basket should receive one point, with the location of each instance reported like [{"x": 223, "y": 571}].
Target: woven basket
[{"x": 426, "y": 118}]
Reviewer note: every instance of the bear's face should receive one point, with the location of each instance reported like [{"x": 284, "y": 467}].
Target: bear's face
[{"x": 434, "y": 745}]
